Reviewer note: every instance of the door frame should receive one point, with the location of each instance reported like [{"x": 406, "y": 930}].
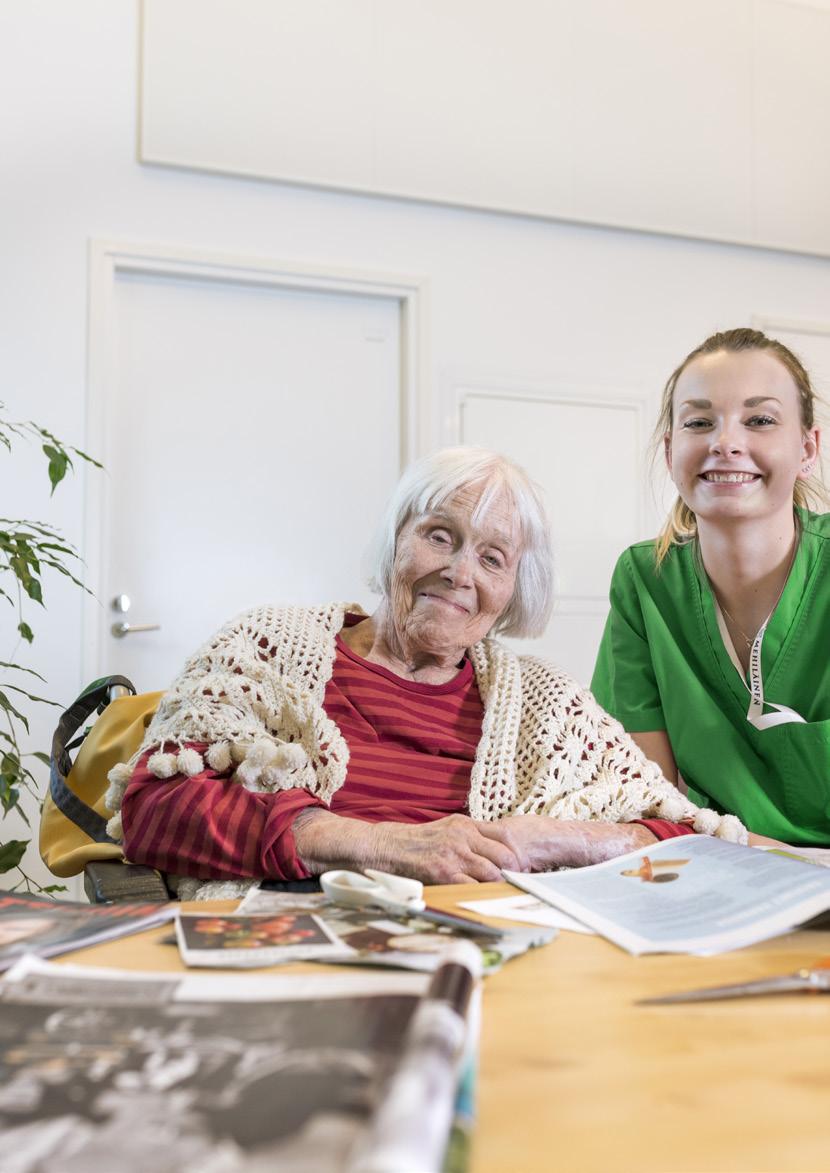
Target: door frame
[{"x": 108, "y": 259}]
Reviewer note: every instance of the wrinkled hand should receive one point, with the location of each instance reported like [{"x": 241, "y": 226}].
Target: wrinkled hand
[
  {"x": 542, "y": 843},
  {"x": 452, "y": 850}
]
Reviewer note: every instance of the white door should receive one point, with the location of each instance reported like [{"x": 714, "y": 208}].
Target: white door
[{"x": 251, "y": 437}]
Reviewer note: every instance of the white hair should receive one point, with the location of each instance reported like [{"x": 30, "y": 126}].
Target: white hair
[{"x": 431, "y": 481}]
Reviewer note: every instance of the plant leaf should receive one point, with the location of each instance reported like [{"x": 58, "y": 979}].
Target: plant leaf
[
  {"x": 11, "y": 854},
  {"x": 84, "y": 456},
  {"x": 61, "y": 549},
  {"x": 59, "y": 462},
  {"x": 68, "y": 573},
  {"x": 20, "y": 668},
  {"x": 26, "y": 631},
  {"x": 40, "y": 700},
  {"x": 19, "y": 563},
  {"x": 6, "y": 704},
  {"x": 10, "y": 797}
]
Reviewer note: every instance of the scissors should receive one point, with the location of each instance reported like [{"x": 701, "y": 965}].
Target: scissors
[
  {"x": 814, "y": 979},
  {"x": 396, "y": 894}
]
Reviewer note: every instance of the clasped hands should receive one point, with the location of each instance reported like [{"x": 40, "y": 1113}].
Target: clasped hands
[{"x": 459, "y": 849}]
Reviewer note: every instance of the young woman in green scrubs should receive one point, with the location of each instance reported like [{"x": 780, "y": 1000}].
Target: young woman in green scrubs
[{"x": 716, "y": 653}]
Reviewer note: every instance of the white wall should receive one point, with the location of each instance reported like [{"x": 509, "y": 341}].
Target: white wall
[
  {"x": 512, "y": 301},
  {"x": 594, "y": 111}
]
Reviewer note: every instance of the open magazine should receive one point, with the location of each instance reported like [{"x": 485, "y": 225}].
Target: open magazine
[
  {"x": 37, "y": 924},
  {"x": 692, "y": 894},
  {"x": 270, "y": 928},
  {"x": 183, "y": 1074}
]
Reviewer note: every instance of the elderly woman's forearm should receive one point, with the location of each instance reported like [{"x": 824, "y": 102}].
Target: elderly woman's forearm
[
  {"x": 442, "y": 851},
  {"x": 325, "y": 841},
  {"x": 208, "y": 825},
  {"x": 544, "y": 843}
]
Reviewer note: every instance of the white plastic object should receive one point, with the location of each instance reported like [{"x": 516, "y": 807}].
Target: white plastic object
[{"x": 373, "y": 887}]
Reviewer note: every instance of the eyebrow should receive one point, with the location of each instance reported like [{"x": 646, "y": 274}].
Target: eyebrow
[
  {"x": 499, "y": 537},
  {"x": 753, "y": 401}
]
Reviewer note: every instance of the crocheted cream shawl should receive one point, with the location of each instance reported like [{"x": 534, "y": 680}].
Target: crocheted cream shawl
[{"x": 254, "y": 695}]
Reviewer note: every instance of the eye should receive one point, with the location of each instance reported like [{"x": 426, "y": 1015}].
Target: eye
[
  {"x": 441, "y": 537},
  {"x": 493, "y": 560},
  {"x": 761, "y": 421},
  {"x": 696, "y": 425}
]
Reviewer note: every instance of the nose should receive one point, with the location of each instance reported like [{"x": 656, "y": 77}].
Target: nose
[
  {"x": 458, "y": 571},
  {"x": 727, "y": 439}
]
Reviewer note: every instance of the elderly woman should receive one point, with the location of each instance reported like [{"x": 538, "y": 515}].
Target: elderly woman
[{"x": 304, "y": 738}]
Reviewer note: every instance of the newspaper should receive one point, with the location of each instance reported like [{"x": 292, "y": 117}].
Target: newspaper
[
  {"x": 693, "y": 894},
  {"x": 371, "y": 936},
  {"x": 187, "y": 1073},
  {"x": 38, "y": 924}
]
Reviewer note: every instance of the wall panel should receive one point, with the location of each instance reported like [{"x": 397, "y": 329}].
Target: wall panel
[
  {"x": 699, "y": 118},
  {"x": 586, "y": 452}
]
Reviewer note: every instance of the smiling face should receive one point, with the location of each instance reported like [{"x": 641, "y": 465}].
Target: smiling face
[
  {"x": 454, "y": 574},
  {"x": 737, "y": 445}
]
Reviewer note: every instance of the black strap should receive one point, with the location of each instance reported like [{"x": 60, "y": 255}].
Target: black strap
[{"x": 95, "y": 696}]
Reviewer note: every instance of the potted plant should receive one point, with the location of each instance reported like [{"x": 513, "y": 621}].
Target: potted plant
[{"x": 27, "y": 550}]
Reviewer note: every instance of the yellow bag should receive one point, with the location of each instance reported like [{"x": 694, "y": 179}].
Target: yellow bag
[{"x": 73, "y": 826}]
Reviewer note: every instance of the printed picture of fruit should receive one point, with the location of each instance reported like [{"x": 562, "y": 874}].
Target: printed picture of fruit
[{"x": 252, "y": 932}]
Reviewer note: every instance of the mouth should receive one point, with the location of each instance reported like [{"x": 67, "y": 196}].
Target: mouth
[
  {"x": 444, "y": 601},
  {"x": 715, "y": 477}
]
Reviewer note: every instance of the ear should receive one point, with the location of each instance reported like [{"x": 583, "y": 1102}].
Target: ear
[
  {"x": 667, "y": 450},
  {"x": 810, "y": 445}
]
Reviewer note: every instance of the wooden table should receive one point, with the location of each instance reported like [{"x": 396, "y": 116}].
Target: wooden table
[{"x": 575, "y": 1077}]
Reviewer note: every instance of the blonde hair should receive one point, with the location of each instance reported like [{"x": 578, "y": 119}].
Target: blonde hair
[{"x": 681, "y": 524}]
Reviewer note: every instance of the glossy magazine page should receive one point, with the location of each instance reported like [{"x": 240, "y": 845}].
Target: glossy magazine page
[
  {"x": 693, "y": 894},
  {"x": 38, "y": 924}
]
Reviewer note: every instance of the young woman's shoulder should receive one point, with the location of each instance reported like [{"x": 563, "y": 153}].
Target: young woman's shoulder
[
  {"x": 637, "y": 567},
  {"x": 815, "y": 524}
]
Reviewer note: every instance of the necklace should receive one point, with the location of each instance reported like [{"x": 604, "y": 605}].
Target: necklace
[{"x": 735, "y": 622}]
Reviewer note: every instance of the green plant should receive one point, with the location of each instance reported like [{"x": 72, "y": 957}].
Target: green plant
[{"x": 27, "y": 549}]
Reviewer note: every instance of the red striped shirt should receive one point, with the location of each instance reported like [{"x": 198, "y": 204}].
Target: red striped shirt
[
  {"x": 411, "y": 751},
  {"x": 411, "y": 746}
]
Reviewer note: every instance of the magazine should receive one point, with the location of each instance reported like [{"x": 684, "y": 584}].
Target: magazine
[
  {"x": 816, "y": 855},
  {"x": 693, "y": 894},
  {"x": 371, "y": 936},
  {"x": 187, "y": 1073},
  {"x": 37, "y": 924}
]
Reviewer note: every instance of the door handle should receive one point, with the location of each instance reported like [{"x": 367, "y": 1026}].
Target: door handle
[{"x": 119, "y": 630}]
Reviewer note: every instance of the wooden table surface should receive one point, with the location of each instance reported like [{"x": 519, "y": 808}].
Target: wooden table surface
[{"x": 574, "y": 1077}]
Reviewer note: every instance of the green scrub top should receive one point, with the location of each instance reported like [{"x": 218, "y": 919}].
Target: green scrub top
[{"x": 662, "y": 664}]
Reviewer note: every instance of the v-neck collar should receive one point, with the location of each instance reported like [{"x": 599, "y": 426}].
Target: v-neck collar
[
  {"x": 704, "y": 600},
  {"x": 782, "y": 624}
]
